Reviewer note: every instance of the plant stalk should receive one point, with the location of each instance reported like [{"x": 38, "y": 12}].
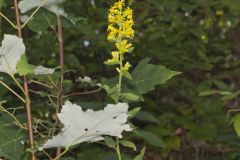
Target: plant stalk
[
  {"x": 120, "y": 77},
  {"x": 26, "y": 89},
  {"x": 61, "y": 61},
  {"x": 118, "y": 150}
]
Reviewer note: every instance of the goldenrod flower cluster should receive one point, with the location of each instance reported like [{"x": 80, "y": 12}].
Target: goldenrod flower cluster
[{"x": 120, "y": 31}]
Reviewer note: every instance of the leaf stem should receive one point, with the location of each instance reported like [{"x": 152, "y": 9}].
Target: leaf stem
[
  {"x": 8, "y": 20},
  {"x": 82, "y": 93},
  {"x": 42, "y": 84},
  {"x": 118, "y": 150},
  {"x": 61, "y": 154},
  {"x": 30, "y": 17},
  {"x": 11, "y": 90},
  {"x": 18, "y": 84},
  {"x": 13, "y": 117},
  {"x": 120, "y": 78}
]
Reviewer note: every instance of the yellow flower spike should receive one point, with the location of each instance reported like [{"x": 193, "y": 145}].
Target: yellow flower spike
[
  {"x": 123, "y": 46},
  {"x": 120, "y": 31}
]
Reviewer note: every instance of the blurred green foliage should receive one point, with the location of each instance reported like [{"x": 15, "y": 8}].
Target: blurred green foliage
[{"x": 199, "y": 38}]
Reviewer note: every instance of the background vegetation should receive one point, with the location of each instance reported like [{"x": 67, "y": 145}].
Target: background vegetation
[{"x": 199, "y": 38}]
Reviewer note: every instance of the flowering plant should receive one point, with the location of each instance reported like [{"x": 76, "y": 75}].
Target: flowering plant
[{"x": 69, "y": 124}]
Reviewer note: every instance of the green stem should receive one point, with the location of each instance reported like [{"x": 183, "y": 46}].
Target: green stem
[
  {"x": 61, "y": 154},
  {"x": 11, "y": 90},
  {"x": 18, "y": 84},
  {"x": 13, "y": 117},
  {"x": 8, "y": 20},
  {"x": 118, "y": 150},
  {"x": 120, "y": 77},
  {"x": 118, "y": 99},
  {"x": 31, "y": 16}
]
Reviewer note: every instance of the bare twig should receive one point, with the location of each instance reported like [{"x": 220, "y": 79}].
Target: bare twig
[
  {"x": 11, "y": 90},
  {"x": 31, "y": 16},
  {"x": 8, "y": 20},
  {"x": 27, "y": 99},
  {"x": 83, "y": 93},
  {"x": 61, "y": 61}
]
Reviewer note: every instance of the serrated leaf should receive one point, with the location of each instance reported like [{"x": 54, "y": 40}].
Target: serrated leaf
[
  {"x": 11, "y": 52},
  {"x": 129, "y": 144},
  {"x": 141, "y": 155},
  {"x": 89, "y": 126},
  {"x": 146, "y": 76},
  {"x": 51, "y": 5}
]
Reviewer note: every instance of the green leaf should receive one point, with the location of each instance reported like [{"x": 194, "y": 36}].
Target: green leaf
[
  {"x": 110, "y": 142},
  {"x": 133, "y": 112},
  {"x": 110, "y": 63},
  {"x": 1, "y": 3},
  {"x": 213, "y": 92},
  {"x": 129, "y": 144},
  {"x": 236, "y": 124},
  {"x": 127, "y": 75},
  {"x": 23, "y": 68},
  {"x": 10, "y": 142},
  {"x": 146, "y": 76},
  {"x": 152, "y": 138},
  {"x": 231, "y": 96},
  {"x": 232, "y": 4},
  {"x": 141, "y": 155},
  {"x": 172, "y": 143},
  {"x": 130, "y": 97},
  {"x": 146, "y": 116}
]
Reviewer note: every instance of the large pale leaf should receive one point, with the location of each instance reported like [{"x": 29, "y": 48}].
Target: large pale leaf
[
  {"x": 40, "y": 70},
  {"x": 10, "y": 53},
  {"x": 51, "y": 5},
  {"x": 89, "y": 126}
]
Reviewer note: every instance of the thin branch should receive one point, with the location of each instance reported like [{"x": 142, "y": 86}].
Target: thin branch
[
  {"x": 18, "y": 84},
  {"x": 42, "y": 84},
  {"x": 47, "y": 155},
  {"x": 13, "y": 117},
  {"x": 27, "y": 98},
  {"x": 83, "y": 93},
  {"x": 31, "y": 16},
  {"x": 40, "y": 93},
  {"x": 8, "y": 20},
  {"x": 61, "y": 61},
  {"x": 11, "y": 90}
]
